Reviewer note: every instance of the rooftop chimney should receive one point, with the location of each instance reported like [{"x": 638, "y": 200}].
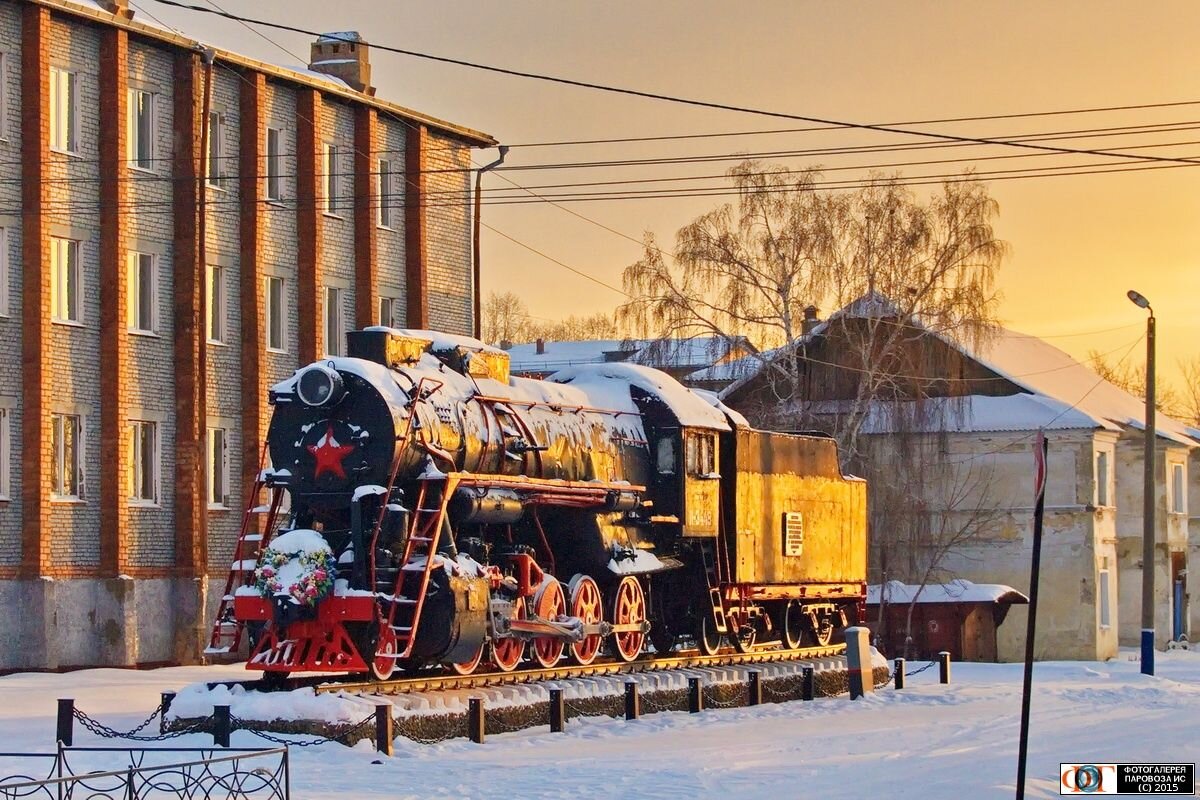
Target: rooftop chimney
[
  {"x": 811, "y": 320},
  {"x": 341, "y": 55},
  {"x": 541, "y": 347},
  {"x": 118, "y": 7}
]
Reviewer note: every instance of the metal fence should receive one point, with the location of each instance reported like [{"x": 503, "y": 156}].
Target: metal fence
[{"x": 71, "y": 773}]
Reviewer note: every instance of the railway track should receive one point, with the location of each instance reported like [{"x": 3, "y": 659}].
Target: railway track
[{"x": 441, "y": 682}]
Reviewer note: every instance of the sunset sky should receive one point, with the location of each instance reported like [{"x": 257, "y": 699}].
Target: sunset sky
[{"x": 1078, "y": 242}]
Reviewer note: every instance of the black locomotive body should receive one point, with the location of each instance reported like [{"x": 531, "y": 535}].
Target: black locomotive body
[{"x": 440, "y": 511}]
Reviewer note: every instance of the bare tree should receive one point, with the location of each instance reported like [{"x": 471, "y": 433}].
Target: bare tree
[
  {"x": 1132, "y": 378},
  {"x": 505, "y": 318},
  {"x": 1189, "y": 396}
]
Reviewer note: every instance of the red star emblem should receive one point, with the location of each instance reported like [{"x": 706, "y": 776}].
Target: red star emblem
[{"x": 329, "y": 454}]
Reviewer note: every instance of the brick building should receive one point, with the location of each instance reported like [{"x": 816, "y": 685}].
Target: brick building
[{"x": 138, "y": 334}]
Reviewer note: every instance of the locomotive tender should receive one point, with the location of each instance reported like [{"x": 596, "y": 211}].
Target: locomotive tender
[{"x": 443, "y": 512}]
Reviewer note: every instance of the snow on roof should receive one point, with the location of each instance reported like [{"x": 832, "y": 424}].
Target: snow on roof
[
  {"x": 340, "y": 36},
  {"x": 440, "y": 340},
  {"x": 312, "y": 73},
  {"x": 662, "y": 353},
  {"x": 971, "y": 414},
  {"x": 558, "y": 355},
  {"x": 609, "y": 383},
  {"x": 678, "y": 353},
  {"x": 735, "y": 416},
  {"x": 956, "y": 591}
]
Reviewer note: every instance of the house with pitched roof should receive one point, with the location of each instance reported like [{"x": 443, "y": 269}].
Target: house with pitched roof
[
  {"x": 979, "y": 406},
  {"x": 677, "y": 357}
]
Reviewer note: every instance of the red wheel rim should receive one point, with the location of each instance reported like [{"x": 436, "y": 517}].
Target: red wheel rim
[
  {"x": 384, "y": 662},
  {"x": 508, "y": 651},
  {"x": 549, "y": 604},
  {"x": 468, "y": 666},
  {"x": 629, "y": 607},
  {"x": 588, "y": 605}
]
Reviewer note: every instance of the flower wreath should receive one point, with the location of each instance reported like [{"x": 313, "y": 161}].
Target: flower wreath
[{"x": 313, "y": 581}]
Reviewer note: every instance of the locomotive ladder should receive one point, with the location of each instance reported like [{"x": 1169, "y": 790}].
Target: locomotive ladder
[{"x": 227, "y": 631}]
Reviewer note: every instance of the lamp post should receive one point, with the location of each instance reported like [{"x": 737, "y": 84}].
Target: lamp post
[{"x": 1148, "y": 496}]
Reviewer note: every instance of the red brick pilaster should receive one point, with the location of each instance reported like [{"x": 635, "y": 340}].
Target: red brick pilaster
[
  {"x": 190, "y": 333},
  {"x": 416, "y": 262},
  {"x": 366, "y": 199},
  {"x": 310, "y": 192},
  {"x": 114, "y": 341},
  {"x": 35, "y": 290},
  {"x": 252, "y": 165}
]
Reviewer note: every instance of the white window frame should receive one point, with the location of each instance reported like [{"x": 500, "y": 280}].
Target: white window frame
[
  {"x": 138, "y": 161},
  {"x": 5, "y": 452},
  {"x": 141, "y": 277},
  {"x": 66, "y": 273},
  {"x": 275, "y": 317},
  {"x": 329, "y": 163},
  {"x": 64, "y": 132},
  {"x": 59, "y": 465},
  {"x": 216, "y": 304},
  {"x": 5, "y": 273},
  {"x": 4, "y": 96},
  {"x": 137, "y": 464},
  {"x": 274, "y": 165},
  {"x": 386, "y": 188},
  {"x": 1104, "y": 596},
  {"x": 217, "y": 482},
  {"x": 388, "y": 304},
  {"x": 331, "y": 318},
  {"x": 1104, "y": 481},
  {"x": 1177, "y": 481},
  {"x": 214, "y": 158}
]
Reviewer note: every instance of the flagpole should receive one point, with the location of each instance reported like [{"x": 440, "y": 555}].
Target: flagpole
[{"x": 1039, "y": 511}]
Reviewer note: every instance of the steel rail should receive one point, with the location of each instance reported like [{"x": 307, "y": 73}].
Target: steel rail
[{"x": 432, "y": 683}]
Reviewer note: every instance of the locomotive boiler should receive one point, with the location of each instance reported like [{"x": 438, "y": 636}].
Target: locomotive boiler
[{"x": 427, "y": 508}]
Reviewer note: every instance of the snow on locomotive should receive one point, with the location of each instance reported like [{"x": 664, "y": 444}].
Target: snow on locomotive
[{"x": 441, "y": 512}]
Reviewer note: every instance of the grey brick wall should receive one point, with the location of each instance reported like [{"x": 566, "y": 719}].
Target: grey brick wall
[
  {"x": 10, "y": 325},
  {"x": 390, "y": 139},
  {"x": 150, "y": 368},
  {"x": 448, "y": 226},
  {"x": 279, "y": 236},
  {"x": 75, "y": 350},
  {"x": 337, "y": 265}
]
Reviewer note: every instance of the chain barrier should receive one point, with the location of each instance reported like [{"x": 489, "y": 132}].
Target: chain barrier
[
  {"x": 657, "y": 707},
  {"x": 919, "y": 670},
  {"x": 710, "y": 699},
  {"x": 343, "y": 731},
  {"x": 407, "y": 727},
  {"x": 105, "y": 732},
  {"x": 790, "y": 692},
  {"x": 583, "y": 712}
]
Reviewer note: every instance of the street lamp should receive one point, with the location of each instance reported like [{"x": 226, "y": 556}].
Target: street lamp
[{"x": 1148, "y": 496}]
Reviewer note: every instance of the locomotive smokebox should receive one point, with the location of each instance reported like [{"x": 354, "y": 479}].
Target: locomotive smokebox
[{"x": 487, "y": 506}]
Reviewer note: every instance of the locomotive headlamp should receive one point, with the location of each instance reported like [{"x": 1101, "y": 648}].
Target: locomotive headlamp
[{"x": 320, "y": 385}]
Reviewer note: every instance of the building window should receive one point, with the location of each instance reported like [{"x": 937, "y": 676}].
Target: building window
[
  {"x": 1102, "y": 493},
  {"x": 216, "y": 306},
  {"x": 5, "y": 452},
  {"x": 387, "y": 189},
  {"x": 212, "y": 166},
  {"x": 329, "y": 165},
  {"x": 276, "y": 330},
  {"x": 3, "y": 95},
  {"x": 64, "y": 110},
  {"x": 4, "y": 276},
  {"x": 65, "y": 279},
  {"x": 333, "y": 321},
  {"x": 66, "y": 444},
  {"x": 141, "y": 129},
  {"x": 699, "y": 456},
  {"x": 218, "y": 468},
  {"x": 1105, "y": 593},
  {"x": 1178, "y": 490},
  {"x": 274, "y": 164},
  {"x": 143, "y": 459},
  {"x": 387, "y": 311},
  {"x": 141, "y": 293}
]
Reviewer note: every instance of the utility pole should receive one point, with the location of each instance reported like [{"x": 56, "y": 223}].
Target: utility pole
[{"x": 1148, "y": 495}]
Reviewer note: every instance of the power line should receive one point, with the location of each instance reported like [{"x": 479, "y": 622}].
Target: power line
[{"x": 664, "y": 97}]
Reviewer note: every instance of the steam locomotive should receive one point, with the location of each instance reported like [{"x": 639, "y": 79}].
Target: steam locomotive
[{"x": 430, "y": 509}]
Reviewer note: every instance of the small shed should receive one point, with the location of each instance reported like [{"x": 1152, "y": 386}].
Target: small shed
[{"x": 959, "y": 617}]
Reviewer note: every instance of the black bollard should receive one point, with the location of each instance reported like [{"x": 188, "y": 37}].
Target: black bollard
[
  {"x": 65, "y": 732},
  {"x": 899, "y": 673},
  {"x": 558, "y": 711},
  {"x": 222, "y": 726},
  {"x": 475, "y": 720},
  {"x": 943, "y": 667},
  {"x": 383, "y": 728},
  {"x": 808, "y": 684},
  {"x": 633, "y": 706},
  {"x": 167, "y": 699},
  {"x": 695, "y": 696},
  {"x": 755, "y": 698}
]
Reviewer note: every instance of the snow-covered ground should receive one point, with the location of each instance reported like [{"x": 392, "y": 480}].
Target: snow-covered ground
[{"x": 928, "y": 741}]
